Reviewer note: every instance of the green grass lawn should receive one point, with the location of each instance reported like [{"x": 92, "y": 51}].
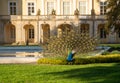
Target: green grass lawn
[{"x": 33, "y": 73}]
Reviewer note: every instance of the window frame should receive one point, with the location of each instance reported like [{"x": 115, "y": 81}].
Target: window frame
[
  {"x": 66, "y": 13},
  {"x": 50, "y": 11},
  {"x": 103, "y": 33},
  {"x": 84, "y": 28},
  {"x": 31, "y": 32},
  {"x": 9, "y": 8},
  {"x": 13, "y": 32},
  {"x": 103, "y": 5},
  {"x": 31, "y": 8},
  {"x": 85, "y": 5}
]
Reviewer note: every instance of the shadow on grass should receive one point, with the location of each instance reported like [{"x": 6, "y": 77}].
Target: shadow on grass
[{"x": 97, "y": 74}]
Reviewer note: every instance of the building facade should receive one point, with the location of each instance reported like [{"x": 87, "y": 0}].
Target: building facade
[{"x": 33, "y": 21}]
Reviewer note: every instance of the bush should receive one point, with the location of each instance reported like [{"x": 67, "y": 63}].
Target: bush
[
  {"x": 78, "y": 61},
  {"x": 52, "y": 61},
  {"x": 115, "y": 52},
  {"x": 105, "y": 53}
]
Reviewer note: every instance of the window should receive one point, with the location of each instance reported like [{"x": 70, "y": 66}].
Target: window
[
  {"x": 82, "y": 7},
  {"x": 119, "y": 32},
  {"x": 31, "y": 8},
  {"x": 102, "y": 33},
  {"x": 12, "y": 8},
  {"x": 59, "y": 32},
  {"x": 50, "y": 7},
  {"x": 2, "y": 28},
  {"x": 46, "y": 32},
  {"x": 103, "y": 8},
  {"x": 12, "y": 30},
  {"x": 31, "y": 33},
  {"x": 66, "y": 8},
  {"x": 84, "y": 28}
]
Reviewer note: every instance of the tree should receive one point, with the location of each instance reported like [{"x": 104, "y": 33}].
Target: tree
[{"x": 113, "y": 14}]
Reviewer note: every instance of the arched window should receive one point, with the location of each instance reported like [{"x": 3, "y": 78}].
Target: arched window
[
  {"x": 117, "y": 29},
  {"x": 46, "y": 32},
  {"x": 118, "y": 33},
  {"x": 12, "y": 32},
  {"x": 84, "y": 28},
  {"x": 64, "y": 29},
  {"x": 29, "y": 33},
  {"x": 102, "y": 31}
]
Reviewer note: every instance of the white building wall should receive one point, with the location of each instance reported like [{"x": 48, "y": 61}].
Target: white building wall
[{"x": 54, "y": 22}]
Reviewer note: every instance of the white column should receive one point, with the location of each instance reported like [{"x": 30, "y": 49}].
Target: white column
[
  {"x": 74, "y": 5},
  {"x": 58, "y": 8},
  {"x": 55, "y": 5},
  {"x": 90, "y": 6},
  {"x": 18, "y": 31},
  {"x": 41, "y": 32},
  {"x": 42, "y": 7},
  {"x": 38, "y": 38},
  {"x": 71, "y": 7}
]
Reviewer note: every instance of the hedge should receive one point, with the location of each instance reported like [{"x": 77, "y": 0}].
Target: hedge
[{"x": 78, "y": 61}]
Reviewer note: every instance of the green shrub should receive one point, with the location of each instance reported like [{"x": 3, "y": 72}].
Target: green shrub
[
  {"x": 106, "y": 59},
  {"x": 52, "y": 61},
  {"x": 105, "y": 53},
  {"x": 78, "y": 61},
  {"x": 115, "y": 52}
]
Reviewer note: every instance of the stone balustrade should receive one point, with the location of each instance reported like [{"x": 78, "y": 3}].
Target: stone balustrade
[{"x": 50, "y": 17}]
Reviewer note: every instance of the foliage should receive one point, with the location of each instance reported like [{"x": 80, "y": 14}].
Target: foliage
[
  {"x": 105, "y": 53},
  {"x": 111, "y": 45},
  {"x": 114, "y": 49},
  {"x": 109, "y": 53},
  {"x": 69, "y": 41},
  {"x": 79, "y": 61},
  {"x": 52, "y": 61},
  {"x": 115, "y": 52},
  {"x": 113, "y": 14}
]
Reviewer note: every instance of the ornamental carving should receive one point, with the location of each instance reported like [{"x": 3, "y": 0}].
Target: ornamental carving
[
  {"x": 76, "y": 12},
  {"x": 53, "y": 12},
  {"x": 38, "y": 12}
]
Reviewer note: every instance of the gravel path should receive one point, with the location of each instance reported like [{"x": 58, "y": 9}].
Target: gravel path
[{"x": 14, "y": 60}]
